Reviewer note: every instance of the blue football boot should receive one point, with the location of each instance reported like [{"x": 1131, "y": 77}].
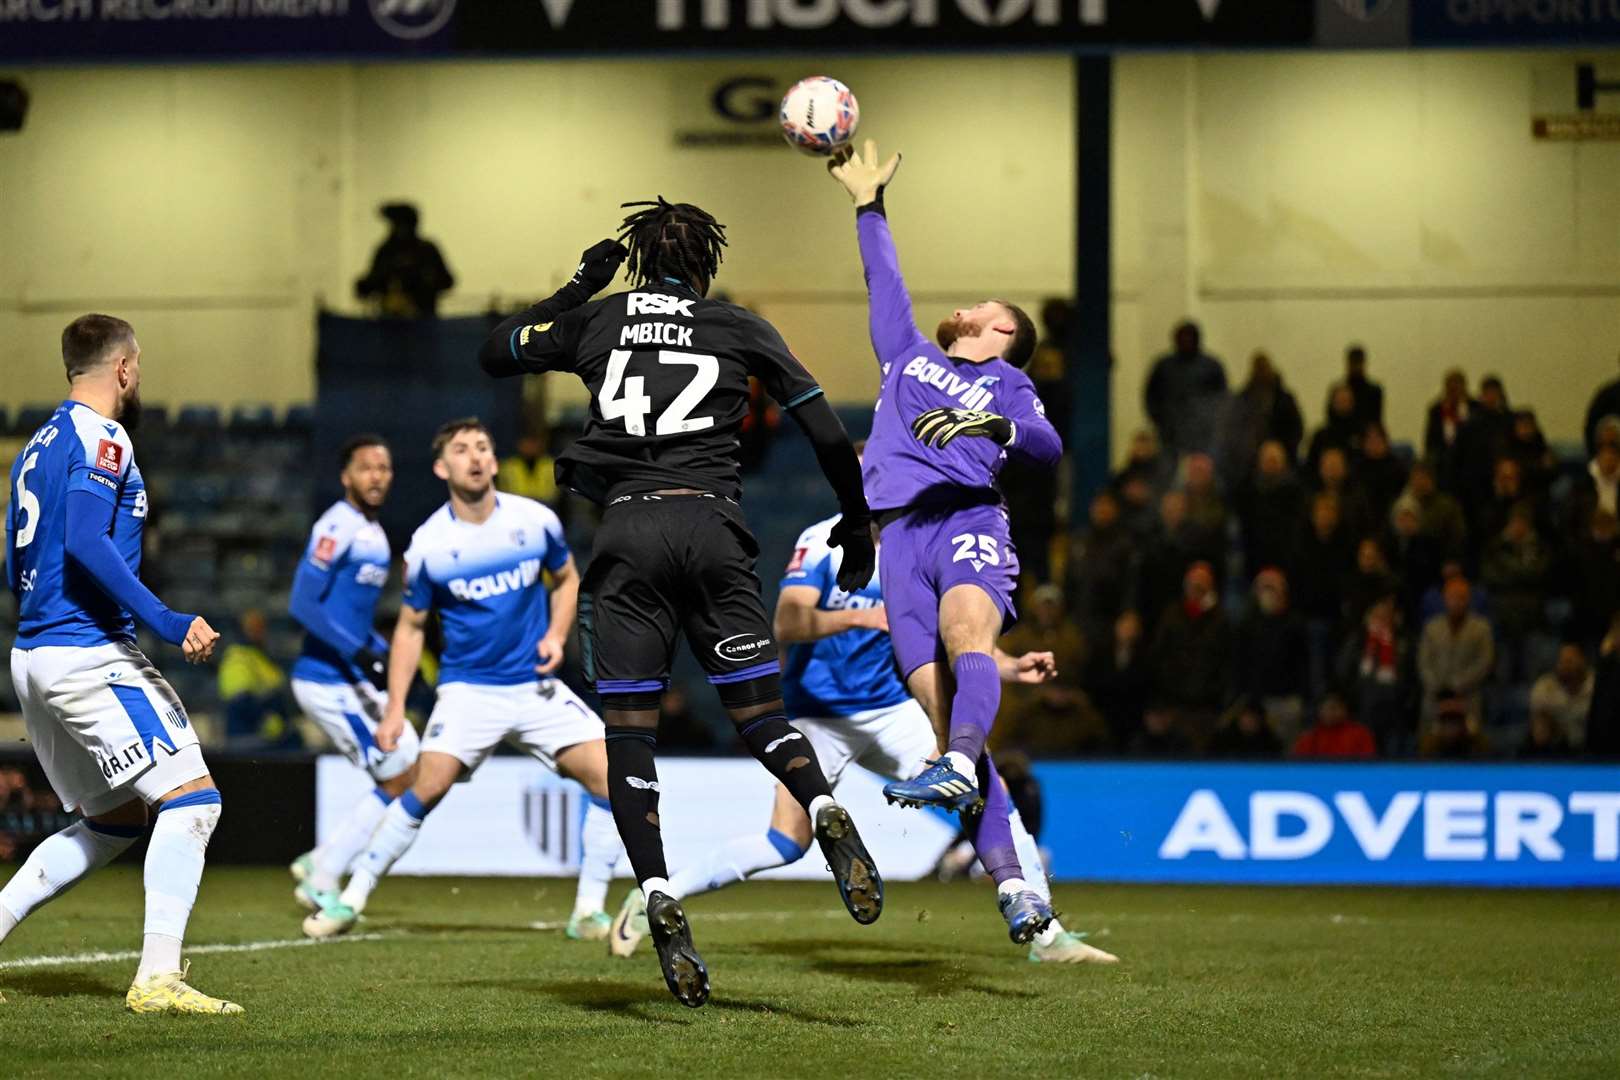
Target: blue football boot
[
  {"x": 938, "y": 785},
  {"x": 1026, "y": 914}
]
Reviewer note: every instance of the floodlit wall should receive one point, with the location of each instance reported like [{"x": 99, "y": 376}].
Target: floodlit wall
[
  {"x": 1290, "y": 201},
  {"x": 1300, "y": 202},
  {"x": 213, "y": 205}
]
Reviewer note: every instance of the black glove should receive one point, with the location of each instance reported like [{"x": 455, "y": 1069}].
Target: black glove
[
  {"x": 853, "y": 533},
  {"x": 937, "y": 427},
  {"x": 599, "y": 265},
  {"x": 373, "y": 666}
]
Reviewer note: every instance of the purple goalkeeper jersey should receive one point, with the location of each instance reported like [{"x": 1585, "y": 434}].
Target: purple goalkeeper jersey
[{"x": 917, "y": 376}]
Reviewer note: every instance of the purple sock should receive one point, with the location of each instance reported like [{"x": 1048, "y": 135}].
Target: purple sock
[
  {"x": 973, "y": 709},
  {"x": 991, "y": 831}
]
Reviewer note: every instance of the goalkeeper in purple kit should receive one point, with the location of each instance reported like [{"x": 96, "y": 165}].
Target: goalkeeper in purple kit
[{"x": 947, "y": 417}]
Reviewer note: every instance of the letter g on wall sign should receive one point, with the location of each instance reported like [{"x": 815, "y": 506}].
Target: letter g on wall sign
[{"x": 747, "y": 99}]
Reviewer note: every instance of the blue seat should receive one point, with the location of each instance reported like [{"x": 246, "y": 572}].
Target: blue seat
[
  {"x": 198, "y": 418},
  {"x": 31, "y": 417},
  {"x": 299, "y": 418}
]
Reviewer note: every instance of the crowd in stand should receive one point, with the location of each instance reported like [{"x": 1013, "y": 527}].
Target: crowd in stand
[{"x": 1239, "y": 589}]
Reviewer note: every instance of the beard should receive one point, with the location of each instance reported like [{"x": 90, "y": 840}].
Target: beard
[
  {"x": 950, "y": 328},
  {"x": 130, "y": 416}
]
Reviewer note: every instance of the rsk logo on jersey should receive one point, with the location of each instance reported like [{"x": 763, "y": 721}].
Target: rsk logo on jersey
[
  {"x": 970, "y": 395},
  {"x": 109, "y": 456},
  {"x": 521, "y": 576},
  {"x": 658, "y": 304}
]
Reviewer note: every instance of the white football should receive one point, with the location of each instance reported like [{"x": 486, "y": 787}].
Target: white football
[{"x": 819, "y": 115}]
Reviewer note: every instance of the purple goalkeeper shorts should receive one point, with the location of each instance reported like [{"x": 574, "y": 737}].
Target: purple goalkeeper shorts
[{"x": 925, "y": 554}]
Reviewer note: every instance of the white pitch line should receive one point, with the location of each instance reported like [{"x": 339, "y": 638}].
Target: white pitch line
[{"x": 76, "y": 959}]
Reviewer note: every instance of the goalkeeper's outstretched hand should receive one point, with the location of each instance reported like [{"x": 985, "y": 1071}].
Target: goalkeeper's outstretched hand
[
  {"x": 938, "y": 427},
  {"x": 861, "y": 174},
  {"x": 599, "y": 265},
  {"x": 854, "y": 535}
]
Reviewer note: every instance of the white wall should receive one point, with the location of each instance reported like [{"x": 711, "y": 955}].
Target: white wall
[
  {"x": 212, "y": 205},
  {"x": 1299, "y": 202},
  {"x": 1290, "y": 201}
]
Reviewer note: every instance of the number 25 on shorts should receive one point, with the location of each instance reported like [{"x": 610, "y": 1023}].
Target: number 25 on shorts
[{"x": 978, "y": 549}]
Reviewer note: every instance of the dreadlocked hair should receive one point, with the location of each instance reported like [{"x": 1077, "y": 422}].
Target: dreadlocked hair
[{"x": 676, "y": 240}]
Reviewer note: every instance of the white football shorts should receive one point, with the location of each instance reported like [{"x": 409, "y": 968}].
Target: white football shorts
[
  {"x": 892, "y": 742},
  {"x": 542, "y": 718},
  {"x": 349, "y": 714},
  {"x": 105, "y": 725}
]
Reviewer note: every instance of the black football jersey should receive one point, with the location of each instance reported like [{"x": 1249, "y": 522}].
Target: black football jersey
[{"x": 668, "y": 374}]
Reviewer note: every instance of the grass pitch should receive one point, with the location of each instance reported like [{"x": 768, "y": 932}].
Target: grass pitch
[{"x": 450, "y": 979}]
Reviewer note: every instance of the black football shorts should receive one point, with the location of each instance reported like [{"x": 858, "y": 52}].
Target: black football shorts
[{"x": 663, "y": 565}]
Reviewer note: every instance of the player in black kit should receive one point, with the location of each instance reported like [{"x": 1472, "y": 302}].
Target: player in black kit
[{"x": 668, "y": 372}]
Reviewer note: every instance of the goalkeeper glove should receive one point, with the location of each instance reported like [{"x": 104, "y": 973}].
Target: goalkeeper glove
[
  {"x": 853, "y": 533},
  {"x": 862, "y": 175},
  {"x": 938, "y": 427},
  {"x": 599, "y": 265}
]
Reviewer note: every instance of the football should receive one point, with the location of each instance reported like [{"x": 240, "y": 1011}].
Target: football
[{"x": 819, "y": 115}]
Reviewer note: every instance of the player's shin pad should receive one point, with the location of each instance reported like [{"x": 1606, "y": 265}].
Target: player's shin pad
[
  {"x": 633, "y": 793},
  {"x": 784, "y": 750}
]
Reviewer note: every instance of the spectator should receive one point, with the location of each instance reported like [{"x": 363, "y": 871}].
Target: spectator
[
  {"x": 1434, "y": 600},
  {"x": 1370, "y": 581},
  {"x": 1455, "y": 654},
  {"x": 1484, "y": 439},
  {"x": 1605, "y": 403},
  {"x": 1140, "y": 482},
  {"x": 1341, "y": 431},
  {"x": 1369, "y": 396},
  {"x": 1192, "y": 654},
  {"x": 1271, "y": 507},
  {"x": 1270, "y": 657},
  {"x": 1440, "y": 517},
  {"x": 253, "y": 689},
  {"x": 531, "y": 472},
  {"x": 1515, "y": 570},
  {"x": 759, "y": 427},
  {"x": 1264, "y": 410},
  {"x": 1452, "y": 736},
  {"x": 1444, "y": 426},
  {"x": 1171, "y": 550},
  {"x": 1101, "y": 566},
  {"x": 1206, "y": 514},
  {"x": 1414, "y": 557},
  {"x": 1031, "y": 490},
  {"x": 407, "y": 272},
  {"x": 1564, "y": 694},
  {"x": 1380, "y": 474},
  {"x": 1245, "y": 733},
  {"x": 1528, "y": 446},
  {"x": 1335, "y": 734},
  {"x": 1333, "y": 478},
  {"x": 1595, "y": 588},
  {"x": 1049, "y": 368},
  {"x": 1507, "y": 495},
  {"x": 1543, "y": 739},
  {"x": 1599, "y": 489},
  {"x": 1186, "y": 394},
  {"x": 1161, "y": 735},
  {"x": 1052, "y": 719},
  {"x": 1603, "y": 722},
  {"x": 1119, "y": 677},
  {"x": 1376, "y": 662},
  {"x": 1325, "y": 561}
]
